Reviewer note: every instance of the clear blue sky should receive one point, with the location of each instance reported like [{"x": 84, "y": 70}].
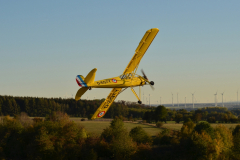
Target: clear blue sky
[{"x": 45, "y": 44}]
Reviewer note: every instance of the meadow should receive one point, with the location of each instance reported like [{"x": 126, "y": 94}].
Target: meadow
[{"x": 97, "y": 127}]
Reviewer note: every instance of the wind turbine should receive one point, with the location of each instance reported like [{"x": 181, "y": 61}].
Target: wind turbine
[
  {"x": 222, "y": 98},
  {"x": 149, "y": 101},
  {"x": 193, "y": 99},
  {"x": 177, "y": 100},
  {"x": 237, "y": 97},
  {"x": 143, "y": 97},
  {"x": 172, "y": 100},
  {"x": 185, "y": 102},
  {"x": 215, "y": 99}
]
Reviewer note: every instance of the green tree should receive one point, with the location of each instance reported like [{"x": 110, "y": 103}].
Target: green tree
[
  {"x": 160, "y": 113},
  {"x": 197, "y": 117},
  {"x": 120, "y": 144},
  {"x": 139, "y": 135},
  {"x": 178, "y": 118},
  {"x": 223, "y": 140},
  {"x": 187, "y": 129},
  {"x": 204, "y": 126}
]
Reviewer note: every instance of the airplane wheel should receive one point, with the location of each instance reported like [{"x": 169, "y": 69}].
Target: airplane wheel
[
  {"x": 152, "y": 83},
  {"x": 90, "y": 88},
  {"x": 140, "y": 102}
]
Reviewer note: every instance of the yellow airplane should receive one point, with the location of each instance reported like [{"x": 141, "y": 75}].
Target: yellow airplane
[{"x": 129, "y": 78}]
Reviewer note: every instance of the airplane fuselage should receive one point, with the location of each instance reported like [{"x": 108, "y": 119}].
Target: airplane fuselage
[{"x": 117, "y": 82}]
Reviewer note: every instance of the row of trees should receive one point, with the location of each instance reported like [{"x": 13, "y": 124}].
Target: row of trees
[
  {"x": 83, "y": 108},
  {"x": 210, "y": 114},
  {"x": 57, "y": 137},
  {"x": 45, "y": 106}
]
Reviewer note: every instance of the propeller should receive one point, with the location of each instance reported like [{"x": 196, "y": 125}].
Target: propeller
[
  {"x": 144, "y": 75},
  {"x": 146, "y": 79}
]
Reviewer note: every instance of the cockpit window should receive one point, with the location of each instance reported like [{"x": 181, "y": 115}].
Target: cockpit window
[{"x": 126, "y": 76}]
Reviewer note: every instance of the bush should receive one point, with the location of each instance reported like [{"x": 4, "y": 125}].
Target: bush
[
  {"x": 178, "y": 118},
  {"x": 90, "y": 116},
  {"x": 83, "y": 119},
  {"x": 236, "y": 130},
  {"x": 144, "y": 121},
  {"x": 159, "y": 124},
  {"x": 24, "y": 119},
  {"x": 211, "y": 119},
  {"x": 163, "y": 138},
  {"x": 37, "y": 120},
  {"x": 204, "y": 126},
  {"x": 139, "y": 135},
  {"x": 187, "y": 129}
]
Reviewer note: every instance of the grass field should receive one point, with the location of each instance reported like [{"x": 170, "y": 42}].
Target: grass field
[{"x": 98, "y": 126}]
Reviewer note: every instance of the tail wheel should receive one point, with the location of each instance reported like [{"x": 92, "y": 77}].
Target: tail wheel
[{"x": 140, "y": 102}]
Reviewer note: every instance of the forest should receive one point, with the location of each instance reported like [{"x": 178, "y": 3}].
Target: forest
[
  {"x": 57, "y": 137},
  {"x": 40, "y": 128},
  {"x": 42, "y": 107}
]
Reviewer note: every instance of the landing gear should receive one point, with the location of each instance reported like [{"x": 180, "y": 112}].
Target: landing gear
[
  {"x": 152, "y": 83},
  {"x": 140, "y": 102},
  {"x": 90, "y": 88}
]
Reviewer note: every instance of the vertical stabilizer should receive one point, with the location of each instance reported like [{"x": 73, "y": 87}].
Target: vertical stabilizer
[{"x": 90, "y": 77}]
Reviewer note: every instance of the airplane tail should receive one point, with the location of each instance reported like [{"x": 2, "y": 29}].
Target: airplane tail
[{"x": 85, "y": 83}]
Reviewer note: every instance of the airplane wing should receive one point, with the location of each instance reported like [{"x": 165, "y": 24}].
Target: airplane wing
[
  {"x": 101, "y": 111},
  {"x": 141, "y": 49}
]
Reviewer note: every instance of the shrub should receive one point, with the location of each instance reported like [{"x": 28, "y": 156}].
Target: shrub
[
  {"x": 163, "y": 138},
  {"x": 236, "y": 130},
  {"x": 211, "y": 119},
  {"x": 144, "y": 121},
  {"x": 24, "y": 119},
  {"x": 90, "y": 116},
  {"x": 159, "y": 124},
  {"x": 178, "y": 118},
  {"x": 37, "y": 120},
  {"x": 204, "y": 126},
  {"x": 83, "y": 119},
  {"x": 187, "y": 129},
  {"x": 139, "y": 135}
]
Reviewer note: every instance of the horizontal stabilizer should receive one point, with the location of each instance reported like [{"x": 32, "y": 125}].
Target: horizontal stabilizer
[{"x": 80, "y": 92}]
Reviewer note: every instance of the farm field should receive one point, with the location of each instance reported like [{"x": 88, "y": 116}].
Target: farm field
[{"x": 98, "y": 127}]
